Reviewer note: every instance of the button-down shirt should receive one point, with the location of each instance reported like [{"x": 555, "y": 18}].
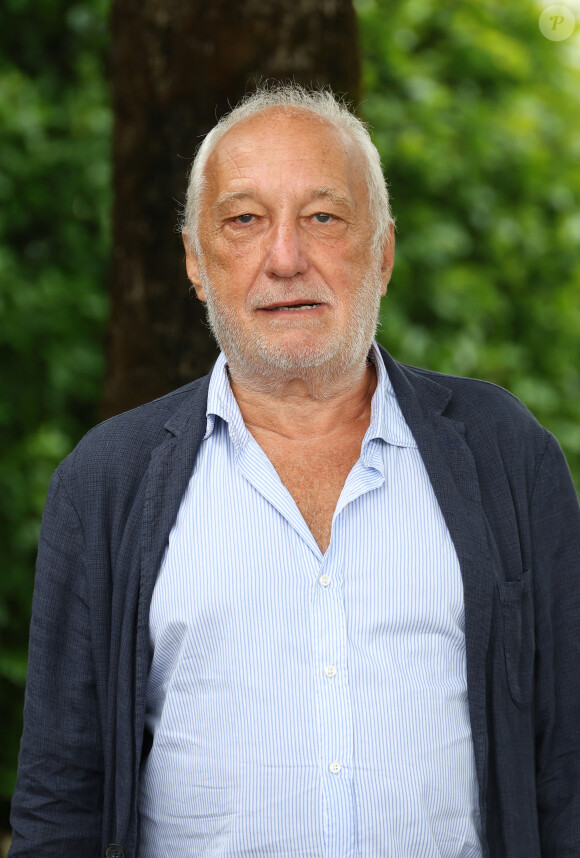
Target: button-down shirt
[{"x": 308, "y": 704}]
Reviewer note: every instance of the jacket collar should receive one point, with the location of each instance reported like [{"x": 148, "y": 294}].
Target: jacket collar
[
  {"x": 415, "y": 389},
  {"x": 186, "y": 416}
]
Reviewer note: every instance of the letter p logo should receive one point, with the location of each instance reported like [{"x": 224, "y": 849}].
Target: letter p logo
[{"x": 557, "y": 23}]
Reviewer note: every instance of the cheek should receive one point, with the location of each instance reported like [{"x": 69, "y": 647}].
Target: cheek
[
  {"x": 341, "y": 275},
  {"x": 232, "y": 276},
  {"x": 241, "y": 255}
]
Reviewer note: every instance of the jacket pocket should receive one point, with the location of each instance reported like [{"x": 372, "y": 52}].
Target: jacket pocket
[{"x": 518, "y": 636}]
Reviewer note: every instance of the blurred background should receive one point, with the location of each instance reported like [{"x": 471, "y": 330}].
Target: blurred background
[{"x": 476, "y": 114}]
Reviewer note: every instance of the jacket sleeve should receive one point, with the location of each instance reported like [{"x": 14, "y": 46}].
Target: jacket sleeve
[
  {"x": 555, "y": 516},
  {"x": 57, "y": 804}
]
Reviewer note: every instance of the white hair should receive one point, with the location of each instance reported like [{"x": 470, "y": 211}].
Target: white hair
[{"x": 324, "y": 105}]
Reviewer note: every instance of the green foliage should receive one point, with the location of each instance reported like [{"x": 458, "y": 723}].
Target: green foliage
[
  {"x": 475, "y": 114},
  {"x": 54, "y": 210}
]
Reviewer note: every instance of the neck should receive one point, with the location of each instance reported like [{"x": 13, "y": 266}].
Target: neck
[{"x": 299, "y": 408}]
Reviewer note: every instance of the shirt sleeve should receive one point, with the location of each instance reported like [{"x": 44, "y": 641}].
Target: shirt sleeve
[
  {"x": 555, "y": 517},
  {"x": 57, "y": 804}
]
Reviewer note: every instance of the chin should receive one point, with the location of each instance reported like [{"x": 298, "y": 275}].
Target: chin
[
  {"x": 307, "y": 353},
  {"x": 319, "y": 357}
]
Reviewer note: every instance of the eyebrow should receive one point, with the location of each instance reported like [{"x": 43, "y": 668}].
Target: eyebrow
[
  {"x": 328, "y": 193},
  {"x": 325, "y": 192},
  {"x": 232, "y": 197}
]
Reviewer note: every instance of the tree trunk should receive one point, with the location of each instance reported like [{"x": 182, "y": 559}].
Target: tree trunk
[{"x": 177, "y": 66}]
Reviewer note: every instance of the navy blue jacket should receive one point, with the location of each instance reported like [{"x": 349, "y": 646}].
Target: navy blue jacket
[{"x": 505, "y": 492}]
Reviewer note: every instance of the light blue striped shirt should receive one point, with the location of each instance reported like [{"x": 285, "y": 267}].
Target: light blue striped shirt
[{"x": 304, "y": 704}]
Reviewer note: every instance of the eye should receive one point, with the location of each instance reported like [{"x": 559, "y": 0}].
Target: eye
[
  {"x": 244, "y": 218},
  {"x": 323, "y": 217}
]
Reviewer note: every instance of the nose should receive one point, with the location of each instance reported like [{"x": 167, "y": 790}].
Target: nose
[{"x": 286, "y": 253}]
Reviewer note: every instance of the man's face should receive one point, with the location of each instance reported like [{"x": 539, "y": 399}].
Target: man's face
[{"x": 286, "y": 265}]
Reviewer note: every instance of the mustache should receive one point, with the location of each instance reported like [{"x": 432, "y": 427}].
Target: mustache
[{"x": 305, "y": 292}]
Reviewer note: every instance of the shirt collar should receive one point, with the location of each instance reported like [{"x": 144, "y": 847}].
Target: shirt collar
[
  {"x": 222, "y": 403},
  {"x": 387, "y": 422}
]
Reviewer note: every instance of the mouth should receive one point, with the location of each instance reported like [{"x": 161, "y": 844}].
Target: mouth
[{"x": 292, "y": 306}]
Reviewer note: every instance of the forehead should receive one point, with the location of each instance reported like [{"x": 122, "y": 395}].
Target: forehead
[{"x": 288, "y": 149}]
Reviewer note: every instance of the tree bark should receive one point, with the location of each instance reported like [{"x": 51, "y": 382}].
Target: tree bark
[{"x": 177, "y": 66}]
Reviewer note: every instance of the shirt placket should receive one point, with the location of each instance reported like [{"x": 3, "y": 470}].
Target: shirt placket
[{"x": 334, "y": 707}]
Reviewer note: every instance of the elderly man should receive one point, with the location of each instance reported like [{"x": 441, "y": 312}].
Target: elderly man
[{"x": 317, "y": 603}]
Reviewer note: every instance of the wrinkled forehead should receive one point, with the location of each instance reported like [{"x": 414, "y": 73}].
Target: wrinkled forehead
[{"x": 286, "y": 137}]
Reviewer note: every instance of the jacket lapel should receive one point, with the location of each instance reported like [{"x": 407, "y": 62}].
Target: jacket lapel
[
  {"x": 168, "y": 476},
  {"x": 451, "y": 468}
]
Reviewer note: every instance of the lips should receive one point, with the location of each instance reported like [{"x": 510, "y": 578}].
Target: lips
[{"x": 295, "y": 306}]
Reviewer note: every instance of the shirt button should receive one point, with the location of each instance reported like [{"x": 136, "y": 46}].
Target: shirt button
[
  {"x": 330, "y": 670},
  {"x": 324, "y": 580},
  {"x": 335, "y": 768}
]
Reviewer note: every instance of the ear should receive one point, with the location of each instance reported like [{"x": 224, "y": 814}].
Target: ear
[
  {"x": 388, "y": 258},
  {"x": 192, "y": 265}
]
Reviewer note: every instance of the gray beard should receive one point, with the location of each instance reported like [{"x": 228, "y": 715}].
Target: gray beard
[{"x": 263, "y": 365}]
